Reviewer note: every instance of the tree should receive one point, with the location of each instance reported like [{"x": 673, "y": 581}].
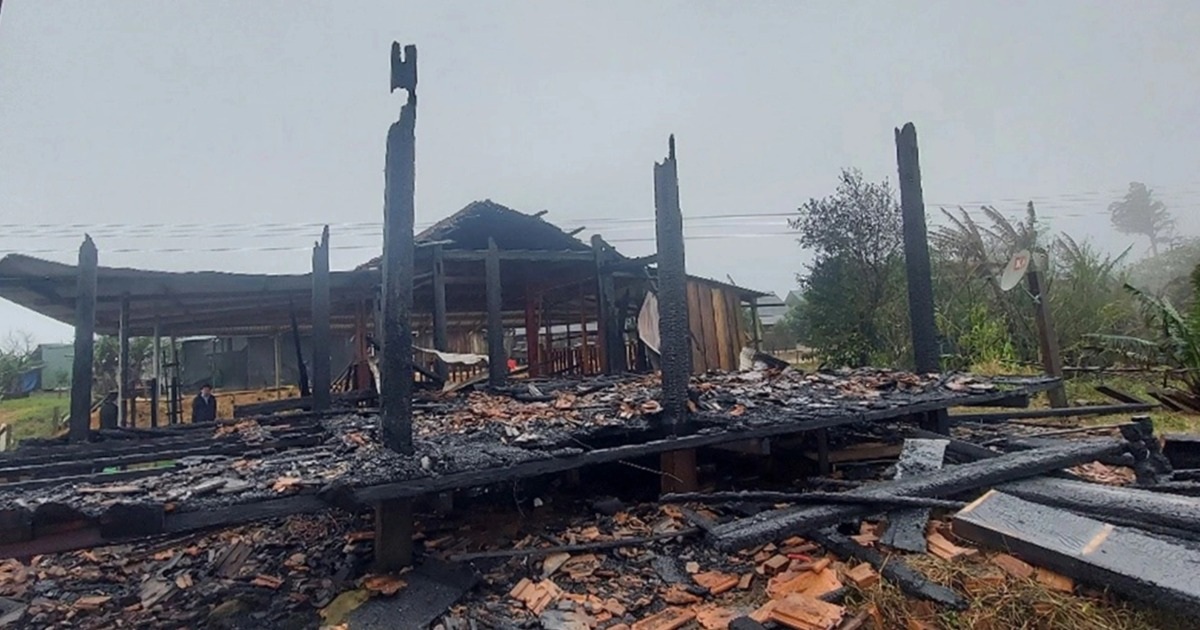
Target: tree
[
  {"x": 854, "y": 282},
  {"x": 16, "y": 356},
  {"x": 1140, "y": 213}
]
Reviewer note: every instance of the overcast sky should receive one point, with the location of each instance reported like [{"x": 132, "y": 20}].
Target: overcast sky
[{"x": 245, "y": 125}]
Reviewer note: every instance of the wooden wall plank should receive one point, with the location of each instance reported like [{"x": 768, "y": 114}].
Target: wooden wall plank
[
  {"x": 696, "y": 324},
  {"x": 721, "y": 326},
  {"x": 712, "y": 358}
]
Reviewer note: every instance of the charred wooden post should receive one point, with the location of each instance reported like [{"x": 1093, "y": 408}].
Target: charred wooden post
[
  {"x": 79, "y": 425},
  {"x": 320, "y": 323},
  {"x": 497, "y": 361},
  {"x": 755, "y": 325},
  {"x": 679, "y": 467},
  {"x": 612, "y": 355},
  {"x": 123, "y": 370},
  {"x": 916, "y": 252},
  {"x": 532, "y": 326},
  {"x": 399, "y": 188},
  {"x": 1047, "y": 336},
  {"x": 674, "y": 348},
  {"x": 441, "y": 336}
]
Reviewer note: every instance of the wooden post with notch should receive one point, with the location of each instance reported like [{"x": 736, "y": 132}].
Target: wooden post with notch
[
  {"x": 79, "y": 424},
  {"x": 394, "y": 518},
  {"x": 321, "y": 372}
]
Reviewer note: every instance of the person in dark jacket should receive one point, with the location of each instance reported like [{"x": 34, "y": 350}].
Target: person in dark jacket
[
  {"x": 204, "y": 406},
  {"x": 109, "y": 415}
]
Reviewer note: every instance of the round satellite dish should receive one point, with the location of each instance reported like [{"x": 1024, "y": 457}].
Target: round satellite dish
[{"x": 1016, "y": 269}]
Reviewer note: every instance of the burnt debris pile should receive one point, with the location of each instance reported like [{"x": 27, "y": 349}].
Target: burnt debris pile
[{"x": 533, "y": 510}]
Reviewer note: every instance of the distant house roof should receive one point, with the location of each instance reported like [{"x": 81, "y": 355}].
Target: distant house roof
[
  {"x": 771, "y": 309},
  {"x": 183, "y": 303},
  {"x": 471, "y": 227}
]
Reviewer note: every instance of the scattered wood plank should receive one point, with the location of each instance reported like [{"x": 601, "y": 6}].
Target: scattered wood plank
[
  {"x": 778, "y": 524},
  {"x": 906, "y": 528},
  {"x": 1129, "y": 505},
  {"x": 1128, "y": 562},
  {"x": 1118, "y": 396}
]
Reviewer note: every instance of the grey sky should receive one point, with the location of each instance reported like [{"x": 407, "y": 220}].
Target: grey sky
[{"x": 232, "y": 113}]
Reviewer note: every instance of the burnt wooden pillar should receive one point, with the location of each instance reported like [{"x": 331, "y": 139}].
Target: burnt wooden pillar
[
  {"x": 497, "y": 361},
  {"x": 123, "y": 370},
  {"x": 441, "y": 337},
  {"x": 157, "y": 367},
  {"x": 399, "y": 188},
  {"x": 679, "y": 467},
  {"x": 916, "y": 252},
  {"x": 320, "y": 323},
  {"x": 755, "y": 326},
  {"x": 79, "y": 425},
  {"x": 673, "y": 328},
  {"x": 532, "y": 327},
  {"x": 584, "y": 356},
  {"x": 612, "y": 356},
  {"x": 394, "y": 518},
  {"x": 362, "y": 364}
]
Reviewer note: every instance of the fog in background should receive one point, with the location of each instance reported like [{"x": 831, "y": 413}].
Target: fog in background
[{"x": 232, "y": 130}]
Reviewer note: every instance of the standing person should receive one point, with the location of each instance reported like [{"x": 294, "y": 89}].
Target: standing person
[
  {"x": 204, "y": 406},
  {"x": 108, "y": 411}
]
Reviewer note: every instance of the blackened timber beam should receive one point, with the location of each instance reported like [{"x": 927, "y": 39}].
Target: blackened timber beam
[
  {"x": 441, "y": 337},
  {"x": 1147, "y": 568},
  {"x": 673, "y": 330},
  {"x": 916, "y": 252},
  {"x": 123, "y": 368},
  {"x": 399, "y": 189},
  {"x": 774, "y": 525},
  {"x": 85, "y": 326},
  {"x": 497, "y": 361},
  {"x": 1066, "y": 412},
  {"x": 321, "y": 372},
  {"x": 1047, "y": 335}
]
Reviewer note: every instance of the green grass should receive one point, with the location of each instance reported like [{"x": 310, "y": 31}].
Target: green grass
[{"x": 34, "y": 416}]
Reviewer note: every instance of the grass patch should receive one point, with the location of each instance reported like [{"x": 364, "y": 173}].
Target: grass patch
[
  {"x": 1000, "y": 602},
  {"x": 35, "y": 415}
]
